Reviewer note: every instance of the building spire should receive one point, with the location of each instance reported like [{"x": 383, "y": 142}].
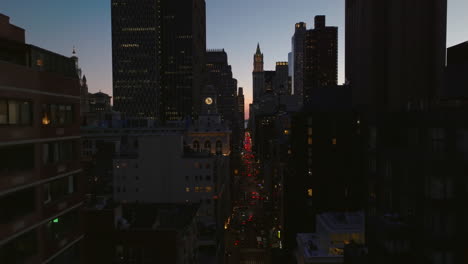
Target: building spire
[
  {"x": 258, "y": 48},
  {"x": 74, "y": 51}
]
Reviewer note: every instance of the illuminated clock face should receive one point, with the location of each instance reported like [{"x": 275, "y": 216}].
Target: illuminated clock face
[{"x": 208, "y": 101}]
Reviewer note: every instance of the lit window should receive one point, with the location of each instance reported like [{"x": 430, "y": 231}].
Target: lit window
[
  {"x": 187, "y": 189},
  {"x": 286, "y": 132},
  {"x": 310, "y": 192},
  {"x": 39, "y": 62},
  {"x": 334, "y": 141},
  {"x": 197, "y": 189},
  {"x": 309, "y": 141},
  {"x": 208, "y": 189}
]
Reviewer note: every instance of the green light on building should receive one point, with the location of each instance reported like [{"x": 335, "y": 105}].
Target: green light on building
[{"x": 56, "y": 220}]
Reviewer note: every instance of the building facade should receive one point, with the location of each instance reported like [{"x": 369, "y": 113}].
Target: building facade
[
  {"x": 298, "y": 59},
  {"x": 388, "y": 65},
  {"x": 320, "y": 58},
  {"x": 158, "y": 58},
  {"x": 41, "y": 190}
]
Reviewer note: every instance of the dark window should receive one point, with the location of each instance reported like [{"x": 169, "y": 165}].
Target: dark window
[
  {"x": 60, "y": 228},
  {"x": 208, "y": 178},
  {"x": 196, "y": 146},
  {"x": 219, "y": 147},
  {"x": 15, "y": 112},
  {"x": 16, "y": 205},
  {"x": 16, "y": 158},
  {"x": 19, "y": 249},
  {"x": 208, "y": 146},
  {"x": 57, "y": 189},
  {"x": 59, "y": 151}
]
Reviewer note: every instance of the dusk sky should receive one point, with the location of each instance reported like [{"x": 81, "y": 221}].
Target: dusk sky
[{"x": 235, "y": 25}]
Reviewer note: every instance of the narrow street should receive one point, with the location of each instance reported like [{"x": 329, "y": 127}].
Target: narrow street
[{"x": 247, "y": 239}]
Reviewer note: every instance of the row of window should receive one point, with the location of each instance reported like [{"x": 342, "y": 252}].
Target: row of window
[
  {"x": 57, "y": 114},
  {"x": 15, "y": 112},
  {"x": 199, "y": 178},
  {"x": 19, "y": 112},
  {"x": 60, "y": 151},
  {"x": 199, "y": 189},
  {"x": 21, "y": 157},
  {"x": 198, "y": 165},
  {"x": 56, "y": 190}
]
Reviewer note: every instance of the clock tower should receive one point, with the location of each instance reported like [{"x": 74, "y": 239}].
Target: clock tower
[
  {"x": 209, "y": 98},
  {"x": 258, "y": 75}
]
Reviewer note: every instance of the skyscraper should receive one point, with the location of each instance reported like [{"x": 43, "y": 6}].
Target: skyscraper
[
  {"x": 220, "y": 77},
  {"x": 298, "y": 59},
  {"x": 320, "y": 58},
  {"x": 281, "y": 82},
  {"x": 395, "y": 52},
  {"x": 158, "y": 51},
  {"x": 258, "y": 75}
]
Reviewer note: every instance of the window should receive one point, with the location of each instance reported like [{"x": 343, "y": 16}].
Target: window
[
  {"x": 20, "y": 249},
  {"x": 58, "y": 189},
  {"x": 17, "y": 205},
  {"x": 209, "y": 189},
  {"x": 187, "y": 189},
  {"x": 438, "y": 138},
  {"x": 15, "y": 112},
  {"x": 334, "y": 141},
  {"x": 196, "y": 146},
  {"x": 59, "y": 151},
  {"x": 57, "y": 115},
  {"x": 17, "y": 158},
  {"x": 208, "y": 177},
  {"x": 310, "y": 192},
  {"x": 219, "y": 147},
  {"x": 60, "y": 228},
  {"x": 208, "y": 146}
]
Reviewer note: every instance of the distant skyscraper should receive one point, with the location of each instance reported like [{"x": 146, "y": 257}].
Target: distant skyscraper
[
  {"x": 258, "y": 75},
  {"x": 298, "y": 58},
  {"x": 320, "y": 58},
  {"x": 269, "y": 77},
  {"x": 220, "y": 77},
  {"x": 395, "y": 52},
  {"x": 281, "y": 82},
  {"x": 240, "y": 104},
  {"x": 158, "y": 50}
]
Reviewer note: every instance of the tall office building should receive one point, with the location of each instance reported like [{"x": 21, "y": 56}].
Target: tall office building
[
  {"x": 240, "y": 104},
  {"x": 158, "y": 57},
  {"x": 320, "y": 58},
  {"x": 281, "y": 82},
  {"x": 298, "y": 58},
  {"x": 395, "y": 52},
  {"x": 258, "y": 75},
  {"x": 220, "y": 77},
  {"x": 41, "y": 186}
]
